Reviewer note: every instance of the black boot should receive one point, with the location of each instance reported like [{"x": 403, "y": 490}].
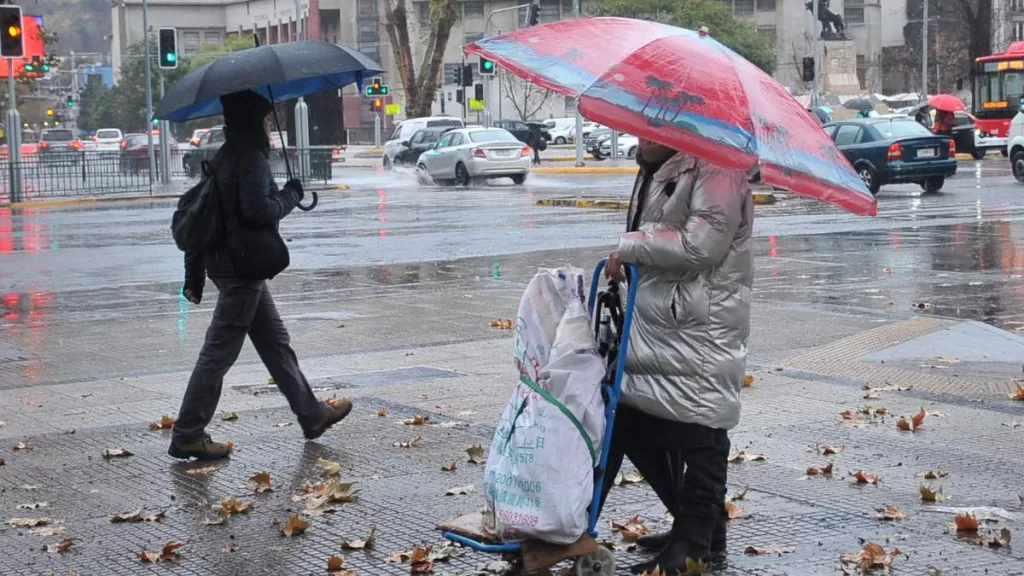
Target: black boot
[
  {"x": 658, "y": 541},
  {"x": 718, "y": 539},
  {"x": 671, "y": 560}
]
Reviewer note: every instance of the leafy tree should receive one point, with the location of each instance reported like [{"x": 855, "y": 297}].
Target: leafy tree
[
  {"x": 420, "y": 86},
  {"x": 740, "y": 35}
]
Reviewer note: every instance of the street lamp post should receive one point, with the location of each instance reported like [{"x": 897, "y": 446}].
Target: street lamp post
[
  {"x": 490, "y": 79},
  {"x": 149, "y": 94}
]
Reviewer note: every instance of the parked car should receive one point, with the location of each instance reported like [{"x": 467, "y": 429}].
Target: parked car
[
  {"x": 109, "y": 140},
  {"x": 197, "y": 135},
  {"x": 592, "y": 141},
  {"x": 466, "y": 154},
  {"x": 562, "y": 130},
  {"x": 895, "y": 150},
  {"x": 1015, "y": 146},
  {"x": 627, "y": 146},
  {"x": 59, "y": 146},
  {"x": 135, "y": 155},
  {"x": 589, "y": 127},
  {"x": 29, "y": 146},
  {"x": 209, "y": 143},
  {"x": 423, "y": 140},
  {"x": 404, "y": 130}
]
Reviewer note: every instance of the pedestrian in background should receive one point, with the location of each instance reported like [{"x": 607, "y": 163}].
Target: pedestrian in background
[
  {"x": 247, "y": 191},
  {"x": 689, "y": 233},
  {"x": 535, "y": 140},
  {"x": 944, "y": 123}
]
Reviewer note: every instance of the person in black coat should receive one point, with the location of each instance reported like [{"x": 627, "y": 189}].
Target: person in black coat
[
  {"x": 535, "y": 140},
  {"x": 244, "y": 307}
]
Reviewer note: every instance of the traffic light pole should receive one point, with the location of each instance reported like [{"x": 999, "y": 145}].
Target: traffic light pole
[
  {"x": 815, "y": 52},
  {"x": 579, "y": 117},
  {"x": 494, "y": 79},
  {"x": 13, "y": 135},
  {"x": 165, "y": 142},
  {"x": 149, "y": 93}
]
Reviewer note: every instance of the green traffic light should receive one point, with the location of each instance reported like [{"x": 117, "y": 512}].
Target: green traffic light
[
  {"x": 156, "y": 121},
  {"x": 488, "y": 65},
  {"x": 172, "y": 57},
  {"x": 384, "y": 90},
  {"x": 369, "y": 90},
  {"x": 29, "y": 67}
]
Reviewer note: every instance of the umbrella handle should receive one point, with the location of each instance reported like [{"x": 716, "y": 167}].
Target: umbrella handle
[{"x": 316, "y": 200}]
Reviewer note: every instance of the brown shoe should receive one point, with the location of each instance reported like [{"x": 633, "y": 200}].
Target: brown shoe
[
  {"x": 334, "y": 411},
  {"x": 202, "y": 449}
]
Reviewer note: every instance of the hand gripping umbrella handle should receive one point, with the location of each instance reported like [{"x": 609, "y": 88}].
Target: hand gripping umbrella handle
[{"x": 316, "y": 200}]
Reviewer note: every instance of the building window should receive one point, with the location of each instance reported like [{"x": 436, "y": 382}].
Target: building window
[
  {"x": 743, "y": 7},
  {"x": 549, "y": 11},
  {"x": 423, "y": 14},
  {"x": 469, "y": 38},
  {"x": 853, "y": 11},
  {"x": 768, "y": 31},
  {"x": 1016, "y": 5},
  {"x": 212, "y": 37},
  {"x": 1018, "y": 31},
  {"x": 567, "y": 9},
  {"x": 190, "y": 41},
  {"x": 472, "y": 9},
  {"x": 766, "y": 5},
  {"x": 862, "y": 70}
]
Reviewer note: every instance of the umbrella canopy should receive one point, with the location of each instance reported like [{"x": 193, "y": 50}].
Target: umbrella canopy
[
  {"x": 687, "y": 91},
  {"x": 288, "y": 70},
  {"x": 820, "y": 114},
  {"x": 859, "y": 104},
  {"x": 946, "y": 102}
]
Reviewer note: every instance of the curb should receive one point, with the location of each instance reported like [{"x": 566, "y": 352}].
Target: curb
[
  {"x": 565, "y": 158},
  {"x": 760, "y": 198},
  {"x": 586, "y": 169},
  {"x": 88, "y": 201},
  {"x": 329, "y": 187}
]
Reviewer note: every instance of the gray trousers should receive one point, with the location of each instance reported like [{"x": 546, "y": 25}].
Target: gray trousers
[{"x": 243, "y": 308}]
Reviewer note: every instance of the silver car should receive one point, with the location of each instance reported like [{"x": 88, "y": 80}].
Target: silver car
[{"x": 465, "y": 154}]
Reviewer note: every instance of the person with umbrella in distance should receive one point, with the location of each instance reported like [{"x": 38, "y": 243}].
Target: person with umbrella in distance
[
  {"x": 689, "y": 232},
  {"x": 245, "y": 307}
]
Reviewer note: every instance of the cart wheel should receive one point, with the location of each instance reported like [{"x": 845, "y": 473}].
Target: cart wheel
[{"x": 598, "y": 563}]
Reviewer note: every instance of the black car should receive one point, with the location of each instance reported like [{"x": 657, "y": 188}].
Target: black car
[
  {"x": 423, "y": 140},
  {"x": 520, "y": 129}
]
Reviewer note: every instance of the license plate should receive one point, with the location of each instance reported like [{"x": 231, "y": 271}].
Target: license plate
[
  {"x": 927, "y": 153},
  {"x": 503, "y": 153}
]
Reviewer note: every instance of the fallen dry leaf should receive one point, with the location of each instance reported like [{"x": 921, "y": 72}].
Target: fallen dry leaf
[
  {"x": 870, "y": 396},
  {"x": 929, "y": 494},
  {"x": 864, "y": 477},
  {"x": 695, "y": 567},
  {"x": 831, "y": 450},
  {"x": 461, "y": 490},
  {"x": 283, "y": 424},
  {"x": 933, "y": 475},
  {"x": 329, "y": 467},
  {"x": 915, "y": 422},
  {"x": 871, "y": 556},
  {"x": 733, "y": 511},
  {"x": 229, "y": 416},
  {"x": 61, "y": 546},
  {"x": 502, "y": 324},
  {"x": 328, "y": 492},
  {"x": 294, "y": 525},
  {"x": 137, "y": 516},
  {"x": 417, "y": 420},
  {"x": 382, "y": 413},
  {"x": 260, "y": 483},
  {"x": 758, "y": 550},
  {"x": 748, "y": 380},
  {"x": 1019, "y": 393},
  {"x": 166, "y": 423},
  {"x": 28, "y": 522},
  {"x": 890, "y": 512},
  {"x": 116, "y": 453},
  {"x": 849, "y": 415},
  {"x": 232, "y": 505},
  {"x": 628, "y": 478},
  {"x": 168, "y": 554},
  {"x": 736, "y": 496},
  {"x": 33, "y": 506},
  {"x": 450, "y": 467},
  {"x": 631, "y": 529},
  {"x": 399, "y": 557},
  {"x": 420, "y": 560},
  {"x": 965, "y": 523},
  {"x": 20, "y": 447},
  {"x": 46, "y": 531},
  {"x": 367, "y": 544},
  {"x": 477, "y": 454},
  {"x": 412, "y": 443},
  {"x": 743, "y": 456},
  {"x": 335, "y": 402},
  {"x": 200, "y": 471},
  {"x": 335, "y": 563},
  {"x": 825, "y": 470},
  {"x": 1003, "y": 539}
]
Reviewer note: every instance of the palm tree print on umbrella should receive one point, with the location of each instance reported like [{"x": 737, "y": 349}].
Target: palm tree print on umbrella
[
  {"x": 667, "y": 102},
  {"x": 773, "y": 132}
]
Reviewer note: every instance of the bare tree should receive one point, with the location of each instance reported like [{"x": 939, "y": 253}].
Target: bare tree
[
  {"x": 527, "y": 98},
  {"x": 420, "y": 87}
]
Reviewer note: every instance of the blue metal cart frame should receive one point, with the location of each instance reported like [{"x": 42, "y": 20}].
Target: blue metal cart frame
[{"x": 612, "y": 394}]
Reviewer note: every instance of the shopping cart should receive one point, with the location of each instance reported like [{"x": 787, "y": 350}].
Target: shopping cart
[{"x": 612, "y": 321}]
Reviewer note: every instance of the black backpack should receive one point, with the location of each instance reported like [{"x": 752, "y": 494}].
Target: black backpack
[{"x": 198, "y": 223}]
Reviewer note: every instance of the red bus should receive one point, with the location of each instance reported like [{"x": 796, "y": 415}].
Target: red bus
[{"x": 998, "y": 90}]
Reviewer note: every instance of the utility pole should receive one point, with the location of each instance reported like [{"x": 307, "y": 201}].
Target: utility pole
[
  {"x": 924, "y": 53},
  {"x": 579, "y": 117},
  {"x": 165, "y": 141},
  {"x": 149, "y": 93},
  {"x": 815, "y": 52},
  {"x": 495, "y": 79},
  {"x": 13, "y": 135}
]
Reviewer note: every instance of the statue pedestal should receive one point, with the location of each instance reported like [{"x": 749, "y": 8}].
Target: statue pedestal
[{"x": 839, "y": 67}]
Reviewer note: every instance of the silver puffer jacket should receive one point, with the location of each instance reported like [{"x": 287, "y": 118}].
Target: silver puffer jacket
[{"x": 688, "y": 346}]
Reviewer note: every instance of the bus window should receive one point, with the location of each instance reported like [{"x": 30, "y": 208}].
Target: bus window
[{"x": 1013, "y": 87}]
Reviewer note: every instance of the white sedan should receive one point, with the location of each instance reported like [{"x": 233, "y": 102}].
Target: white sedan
[{"x": 467, "y": 154}]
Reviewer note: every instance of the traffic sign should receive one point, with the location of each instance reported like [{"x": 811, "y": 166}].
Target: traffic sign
[
  {"x": 393, "y": 109},
  {"x": 475, "y": 104}
]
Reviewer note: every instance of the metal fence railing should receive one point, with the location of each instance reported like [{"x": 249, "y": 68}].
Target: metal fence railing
[{"x": 92, "y": 174}]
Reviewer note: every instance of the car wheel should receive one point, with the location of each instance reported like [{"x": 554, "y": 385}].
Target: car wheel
[
  {"x": 597, "y": 155},
  {"x": 387, "y": 163},
  {"x": 870, "y": 179},
  {"x": 979, "y": 153},
  {"x": 519, "y": 179},
  {"x": 1017, "y": 163},
  {"x": 462, "y": 175},
  {"x": 559, "y": 140},
  {"x": 631, "y": 153},
  {"x": 933, "y": 184}
]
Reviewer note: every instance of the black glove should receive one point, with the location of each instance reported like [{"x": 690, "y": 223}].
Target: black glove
[
  {"x": 193, "y": 288},
  {"x": 295, "y": 185}
]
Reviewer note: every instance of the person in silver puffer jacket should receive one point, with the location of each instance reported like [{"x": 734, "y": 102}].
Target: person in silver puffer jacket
[{"x": 689, "y": 232}]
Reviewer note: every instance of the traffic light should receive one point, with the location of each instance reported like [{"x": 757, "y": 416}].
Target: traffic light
[
  {"x": 458, "y": 95},
  {"x": 478, "y": 92},
  {"x": 71, "y": 101},
  {"x": 49, "y": 112},
  {"x": 467, "y": 75},
  {"x": 457, "y": 76},
  {"x": 12, "y": 38},
  {"x": 34, "y": 65},
  {"x": 167, "y": 40},
  {"x": 486, "y": 67},
  {"x": 377, "y": 88},
  {"x": 533, "y": 13},
  {"x": 808, "y": 69},
  {"x": 376, "y": 104}
]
